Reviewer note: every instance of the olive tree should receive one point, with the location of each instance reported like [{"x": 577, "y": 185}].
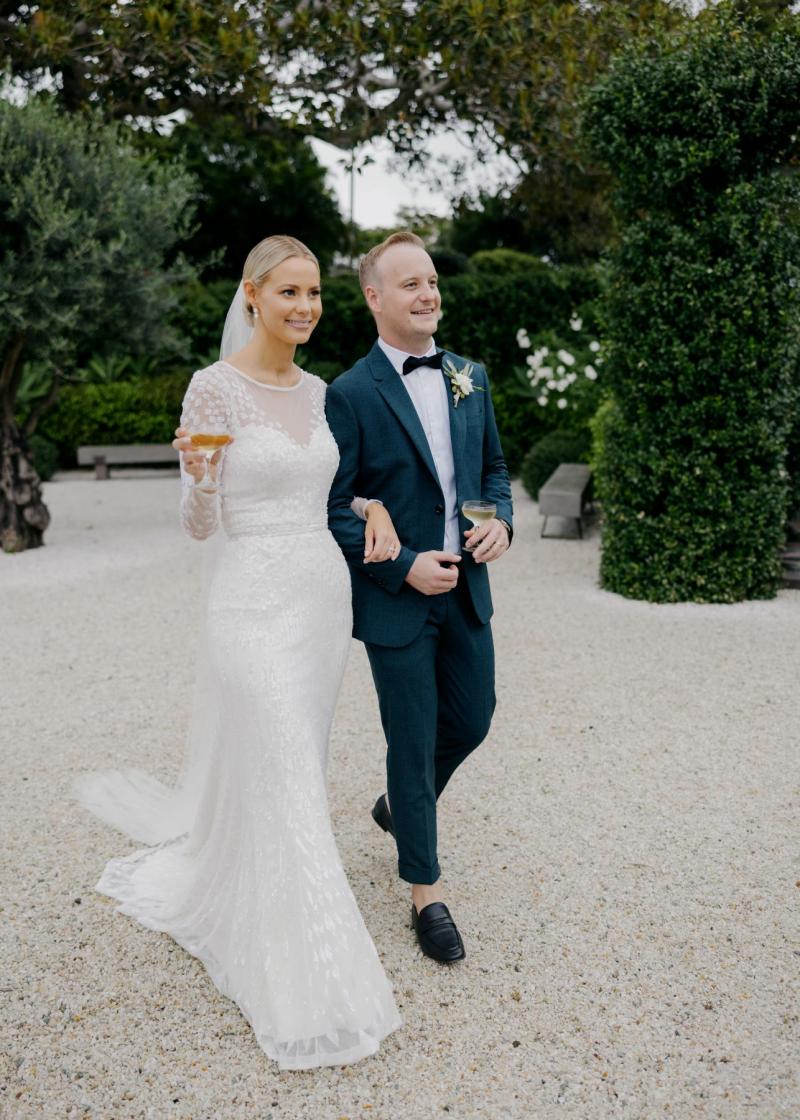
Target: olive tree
[{"x": 87, "y": 229}]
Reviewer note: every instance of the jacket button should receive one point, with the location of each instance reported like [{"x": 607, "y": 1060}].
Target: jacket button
[{"x": 438, "y": 509}]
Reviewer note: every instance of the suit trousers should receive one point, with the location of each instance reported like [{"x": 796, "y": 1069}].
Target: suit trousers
[{"x": 437, "y": 698}]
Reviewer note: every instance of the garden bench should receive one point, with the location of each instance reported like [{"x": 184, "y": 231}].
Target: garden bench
[
  {"x": 790, "y": 562},
  {"x": 565, "y": 494},
  {"x": 132, "y": 454}
]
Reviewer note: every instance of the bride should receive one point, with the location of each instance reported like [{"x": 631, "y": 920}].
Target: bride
[{"x": 243, "y": 870}]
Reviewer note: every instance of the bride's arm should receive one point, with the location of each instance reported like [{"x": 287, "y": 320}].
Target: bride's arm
[{"x": 381, "y": 541}]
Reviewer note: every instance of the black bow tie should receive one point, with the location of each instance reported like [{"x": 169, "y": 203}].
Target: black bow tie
[{"x": 432, "y": 360}]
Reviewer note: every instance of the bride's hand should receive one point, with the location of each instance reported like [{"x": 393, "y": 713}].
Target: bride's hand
[
  {"x": 381, "y": 542},
  {"x": 193, "y": 460}
]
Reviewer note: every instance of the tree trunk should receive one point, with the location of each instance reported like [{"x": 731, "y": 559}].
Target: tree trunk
[{"x": 23, "y": 515}]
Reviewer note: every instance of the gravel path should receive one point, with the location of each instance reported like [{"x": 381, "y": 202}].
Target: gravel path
[{"x": 621, "y": 854}]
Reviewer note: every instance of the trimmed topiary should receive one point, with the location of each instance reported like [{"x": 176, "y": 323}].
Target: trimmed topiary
[
  {"x": 550, "y": 452},
  {"x": 702, "y": 318}
]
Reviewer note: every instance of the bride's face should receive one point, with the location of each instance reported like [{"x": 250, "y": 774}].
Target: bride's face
[{"x": 289, "y": 303}]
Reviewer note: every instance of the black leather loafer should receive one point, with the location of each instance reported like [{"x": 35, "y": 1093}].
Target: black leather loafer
[
  {"x": 437, "y": 934},
  {"x": 381, "y": 814}
]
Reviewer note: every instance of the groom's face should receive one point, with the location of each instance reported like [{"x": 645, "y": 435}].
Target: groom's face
[{"x": 405, "y": 298}]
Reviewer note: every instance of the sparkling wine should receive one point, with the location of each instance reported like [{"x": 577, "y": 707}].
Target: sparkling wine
[
  {"x": 205, "y": 441},
  {"x": 476, "y": 516},
  {"x": 478, "y": 512}
]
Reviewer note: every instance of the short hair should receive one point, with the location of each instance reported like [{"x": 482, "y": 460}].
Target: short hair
[
  {"x": 368, "y": 267},
  {"x": 267, "y": 255}
]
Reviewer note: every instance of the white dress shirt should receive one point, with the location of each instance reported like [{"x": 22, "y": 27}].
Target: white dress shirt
[{"x": 430, "y": 398}]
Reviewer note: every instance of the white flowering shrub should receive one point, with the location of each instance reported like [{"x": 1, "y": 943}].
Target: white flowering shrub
[{"x": 561, "y": 372}]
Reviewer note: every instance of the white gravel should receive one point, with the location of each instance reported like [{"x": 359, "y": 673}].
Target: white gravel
[{"x": 621, "y": 854}]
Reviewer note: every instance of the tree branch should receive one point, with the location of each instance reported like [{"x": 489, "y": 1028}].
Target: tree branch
[
  {"x": 44, "y": 404},
  {"x": 9, "y": 383}
]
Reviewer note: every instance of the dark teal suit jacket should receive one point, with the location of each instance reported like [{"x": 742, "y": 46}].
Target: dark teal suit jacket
[{"x": 384, "y": 454}]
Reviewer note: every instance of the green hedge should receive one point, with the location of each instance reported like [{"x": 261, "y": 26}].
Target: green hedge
[
  {"x": 702, "y": 314},
  {"x": 145, "y": 410}
]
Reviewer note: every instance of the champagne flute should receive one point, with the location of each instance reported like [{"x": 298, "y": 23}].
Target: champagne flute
[
  {"x": 209, "y": 440},
  {"x": 477, "y": 512}
]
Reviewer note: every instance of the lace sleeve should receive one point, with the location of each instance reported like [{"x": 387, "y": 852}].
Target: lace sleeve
[
  {"x": 203, "y": 404},
  {"x": 359, "y": 506}
]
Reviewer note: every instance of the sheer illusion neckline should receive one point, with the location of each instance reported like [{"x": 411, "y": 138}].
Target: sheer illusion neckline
[{"x": 264, "y": 384}]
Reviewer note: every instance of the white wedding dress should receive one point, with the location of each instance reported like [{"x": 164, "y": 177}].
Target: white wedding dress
[{"x": 245, "y": 873}]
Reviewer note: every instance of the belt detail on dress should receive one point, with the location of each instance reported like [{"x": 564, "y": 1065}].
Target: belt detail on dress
[{"x": 268, "y": 531}]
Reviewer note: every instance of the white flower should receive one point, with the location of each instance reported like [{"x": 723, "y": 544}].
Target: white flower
[
  {"x": 551, "y": 384},
  {"x": 522, "y": 339},
  {"x": 590, "y": 372},
  {"x": 562, "y": 385},
  {"x": 566, "y": 357},
  {"x": 571, "y": 378},
  {"x": 594, "y": 346},
  {"x": 532, "y": 375},
  {"x": 460, "y": 380},
  {"x": 463, "y": 382},
  {"x": 545, "y": 371},
  {"x": 562, "y": 402},
  {"x": 560, "y": 369},
  {"x": 541, "y": 401},
  {"x": 576, "y": 323},
  {"x": 537, "y": 357}
]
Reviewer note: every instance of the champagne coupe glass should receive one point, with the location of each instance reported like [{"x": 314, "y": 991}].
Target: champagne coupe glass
[
  {"x": 209, "y": 440},
  {"x": 478, "y": 511}
]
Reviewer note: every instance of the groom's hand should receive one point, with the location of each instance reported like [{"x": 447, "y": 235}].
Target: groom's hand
[
  {"x": 487, "y": 542},
  {"x": 434, "y": 573}
]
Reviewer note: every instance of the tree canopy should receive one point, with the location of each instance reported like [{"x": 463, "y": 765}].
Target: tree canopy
[
  {"x": 250, "y": 185},
  {"x": 343, "y": 70},
  {"x": 88, "y": 229}
]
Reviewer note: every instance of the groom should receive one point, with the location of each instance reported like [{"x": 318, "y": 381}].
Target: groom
[{"x": 415, "y": 427}]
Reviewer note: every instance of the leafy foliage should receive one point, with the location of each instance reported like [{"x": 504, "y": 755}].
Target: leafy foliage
[
  {"x": 344, "y": 71},
  {"x": 86, "y": 230},
  {"x": 702, "y": 320},
  {"x": 142, "y": 410},
  {"x": 563, "y": 374},
  {"x": 509, "y": 74},
  {"x": 87, "y": 225},
  {"x": 248, "y": 186}
]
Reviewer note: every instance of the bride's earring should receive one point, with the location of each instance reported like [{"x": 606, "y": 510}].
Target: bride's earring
[{"x": 254, "y": 312}]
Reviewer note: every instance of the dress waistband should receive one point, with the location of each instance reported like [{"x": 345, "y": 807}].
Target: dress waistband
[{"x": 269, "y": 531}]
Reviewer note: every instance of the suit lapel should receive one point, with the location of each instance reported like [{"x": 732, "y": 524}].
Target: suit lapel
[
  {"x": 391, "y": 388},
  {"x": 458, "y": 420}
]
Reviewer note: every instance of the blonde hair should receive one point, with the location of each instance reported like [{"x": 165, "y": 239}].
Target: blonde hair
[
  {"x": 267, "y": 255},
  {"x": 367, "y": 269}
]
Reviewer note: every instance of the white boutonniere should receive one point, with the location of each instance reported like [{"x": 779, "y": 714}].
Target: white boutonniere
[{"x": 461, "y": 381}]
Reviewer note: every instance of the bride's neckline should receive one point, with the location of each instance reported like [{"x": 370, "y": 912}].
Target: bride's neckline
[{"x": 264, "y": 384}]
